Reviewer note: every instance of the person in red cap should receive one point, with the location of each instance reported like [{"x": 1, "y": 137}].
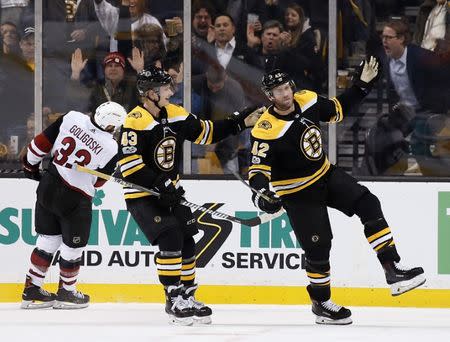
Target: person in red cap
[{"x": 116, "y": 86}]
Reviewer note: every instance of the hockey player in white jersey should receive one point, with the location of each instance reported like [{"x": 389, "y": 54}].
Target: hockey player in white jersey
[{"x": 64, "y": 198}]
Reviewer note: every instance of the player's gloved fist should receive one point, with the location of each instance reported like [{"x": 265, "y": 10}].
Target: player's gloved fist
[
  {"x": 247, "y": 117},
  {"x": 30, "y": 171},
  {"x": 264, "y": 204},
  {"x": 169, "y": 196}
]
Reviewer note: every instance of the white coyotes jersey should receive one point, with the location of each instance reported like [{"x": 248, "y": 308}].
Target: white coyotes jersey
[{"x": 80, "y": 142}]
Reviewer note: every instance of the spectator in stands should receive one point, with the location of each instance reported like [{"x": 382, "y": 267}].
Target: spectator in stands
[
  {"x": 266, "y": 57},
  {"x": 432, "y": 30},
  {"x": 222, "y": 95},
  {"x": 299, "y": 44},
  {"x": 17, "y": 75},
  {"x": 11, "y": 11},
  {"x": 149, "y": 39},
  {"x": 417, "y": 80},
  {"x": 226, "y": 45},
  {"x": 417, "y": 75},
  {"x": 202, "y": 27},
  {"x": 116, "y": 86},
  {"x": 10, "y": 38}
]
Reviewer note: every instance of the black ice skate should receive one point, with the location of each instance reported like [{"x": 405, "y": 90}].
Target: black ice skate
[
  {"x": 202, "y": 313},
  {"x": 35, "y": 297},
  {"x": 71, "y": 299},
  {"x": 330, "y": 313},
  {"x": 177, "y": 307},
  {"x": 403, "y": 279}
]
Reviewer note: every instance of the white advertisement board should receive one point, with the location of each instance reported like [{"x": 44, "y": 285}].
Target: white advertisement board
[{"x": 231, "y": 254}]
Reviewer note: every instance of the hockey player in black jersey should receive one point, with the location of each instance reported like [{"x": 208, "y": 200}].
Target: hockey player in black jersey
[
  {"x": 287, "y": 153},
  {"x": 150, "y": 151}
]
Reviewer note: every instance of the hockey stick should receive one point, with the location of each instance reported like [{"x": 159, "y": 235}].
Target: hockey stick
[
  {"x": 252, "y": 222},
  {"x": 10, "y": 171},
  {"x": 238, "y": 177}
]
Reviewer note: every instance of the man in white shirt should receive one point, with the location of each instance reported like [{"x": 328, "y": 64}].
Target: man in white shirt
[{"x": 225, "y": 41}]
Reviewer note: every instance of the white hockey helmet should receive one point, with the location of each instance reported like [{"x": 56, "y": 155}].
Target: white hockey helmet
[{"x": 110, "y": 114}]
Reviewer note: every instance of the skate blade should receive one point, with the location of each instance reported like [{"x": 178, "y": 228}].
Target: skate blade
[
  {"x": 183, "y": 321},
  {"x": 329, "y": 321},
  {"x": 202, "y": 320},
  {"x": 407, "y": 285},
  {"x": 31, "y": 305},
  {"x": 69, "y": 306}
]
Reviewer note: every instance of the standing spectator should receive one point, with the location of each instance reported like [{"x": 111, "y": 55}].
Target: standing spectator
[
  {"x": 202, "y": 28},
  {"x": 433, "y": 26},
  {"x": 149, "y": 39},
  {"x": 416, "y": 74},
  {"x": 221, "y": 95},
  {"x": 10, "y": 38},
  {"x": 300, "y": 46}
]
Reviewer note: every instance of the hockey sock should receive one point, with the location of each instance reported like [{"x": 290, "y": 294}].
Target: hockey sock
[
  {"x": 68, "y": 273},
  {"x": 40, "y": 262},
  {"x": 379, "y": 236},
  {"x": 168, "y": 264},
  {"x": 188, "y": 265},
  {"x": 318, "y": 273}
]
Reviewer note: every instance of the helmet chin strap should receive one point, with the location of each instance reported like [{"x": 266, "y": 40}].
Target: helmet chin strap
[{"x": 156, "y": 103}]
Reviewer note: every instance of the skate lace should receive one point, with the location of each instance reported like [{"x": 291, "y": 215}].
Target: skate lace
[
  {"x": 78, "y": 294},
  {"x": 193, "y": 303},
  {"x": 43, "y": 292},
  {"x": 329, "y": 305},
  {"x": 401, "y": 267},
  {"x": 180, "y": 303}
]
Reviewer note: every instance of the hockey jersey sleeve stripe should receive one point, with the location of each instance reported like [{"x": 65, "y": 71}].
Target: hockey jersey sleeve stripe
[
  {"x": 132, "y": 170},
  {"x": 260, "y": 167},
  {"x": 129, "y": 158},
  {"x": 339, "y": 114},
  {"x": 206, "y": 134}
]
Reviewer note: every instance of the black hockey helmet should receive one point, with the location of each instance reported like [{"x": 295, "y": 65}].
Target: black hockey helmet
[
  {"x": 150, "y": 78},
  {"x": 275, "y": 78}
]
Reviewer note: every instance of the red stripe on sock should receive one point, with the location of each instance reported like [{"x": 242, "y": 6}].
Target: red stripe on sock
[
  {"x": 36, "y": 274},
  {"x": 39, "y": 261}
]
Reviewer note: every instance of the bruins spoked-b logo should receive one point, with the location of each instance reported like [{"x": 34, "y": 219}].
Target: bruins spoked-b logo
[
  {"x": 165, "y": 154},
  {"x": 311, "y": 143}
]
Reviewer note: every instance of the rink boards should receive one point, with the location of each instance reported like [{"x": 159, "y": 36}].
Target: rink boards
[{"x": 238, "y": 264}]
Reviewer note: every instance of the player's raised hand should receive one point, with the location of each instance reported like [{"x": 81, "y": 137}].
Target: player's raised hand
[{"x": 370, "y": 70}]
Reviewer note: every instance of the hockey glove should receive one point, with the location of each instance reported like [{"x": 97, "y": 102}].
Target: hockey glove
[
  {"x": 247, "y": 117},
  {"x": 369, "y": 70},
  {"x": 263, "y": 204},
  {"x": 30, "y": 171},
  {"x": 169, "y": 196}
]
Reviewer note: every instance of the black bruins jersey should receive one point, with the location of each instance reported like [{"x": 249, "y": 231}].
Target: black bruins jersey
[
  {"x": 287, "y": 150},
  {"x": 150, "y": 147}
]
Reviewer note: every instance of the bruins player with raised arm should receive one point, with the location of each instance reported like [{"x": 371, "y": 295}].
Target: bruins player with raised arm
[
  {"x": 287, "y": 153},
  {"x": 150, "y": 151}
]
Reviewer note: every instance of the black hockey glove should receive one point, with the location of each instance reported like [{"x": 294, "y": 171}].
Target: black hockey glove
[
  {"x": 269, "y": 207},
  {"x": 30, "y": 171},
  {"x": 169, "y": 196},
  {"x": 239, "y": 118}
]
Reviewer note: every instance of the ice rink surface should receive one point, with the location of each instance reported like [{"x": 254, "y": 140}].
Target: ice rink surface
[{"x": 148, "y": 322}]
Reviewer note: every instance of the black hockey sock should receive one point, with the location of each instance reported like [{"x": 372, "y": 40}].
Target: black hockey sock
[
  {"x": 379, "y": 236},
  {"x": 68, "y": 273},
  {"x": 318, "y": 273},
  {"x": 188, "y": 266},
  {"x": 168, "y": 264},
  {"x": 40, "y": 262}
]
